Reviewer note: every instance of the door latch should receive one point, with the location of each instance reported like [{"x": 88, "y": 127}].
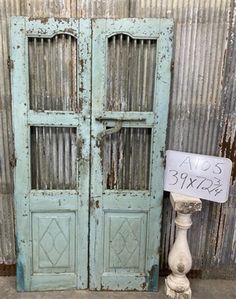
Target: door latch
[{"x": 109, "y": 131}]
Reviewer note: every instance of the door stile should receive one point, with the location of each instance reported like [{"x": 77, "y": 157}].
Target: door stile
[
  {"x": 97, "y": 78},
  {"x": 84, "y": 88},
  {"x": 19, "y": 56},
  {"x": 160, "y": 109}
]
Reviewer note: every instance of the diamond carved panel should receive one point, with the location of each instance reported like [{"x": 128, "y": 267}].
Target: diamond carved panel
[
  {"x": 125, "y": 243},
  {"x": 53, "y": 242},
  {"x": 125, "y": 238}
]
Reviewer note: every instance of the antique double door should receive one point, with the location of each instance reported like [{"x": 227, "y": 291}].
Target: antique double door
[{"x": 90, "y": 102}]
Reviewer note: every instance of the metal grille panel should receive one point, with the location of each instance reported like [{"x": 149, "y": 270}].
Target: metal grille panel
[
  {"x": 53, "y": 158},
  {"x": 52, "y": 73},
  {"x": 126, "y": 159},
  {"x": 131, "y": 73}
]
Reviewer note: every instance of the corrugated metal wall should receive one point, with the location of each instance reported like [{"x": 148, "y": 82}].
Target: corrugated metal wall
[{"x": 201, "y": 118}]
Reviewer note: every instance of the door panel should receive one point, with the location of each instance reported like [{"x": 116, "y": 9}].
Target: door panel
[
  {"x": 53, "y": 242},
  {"x": 52, "y": 143},
  {"x": 124, "y": 241},
  {"x": 130, "y": 90}
]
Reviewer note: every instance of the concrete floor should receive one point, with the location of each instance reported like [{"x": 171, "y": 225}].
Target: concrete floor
[{"x": 202, "y": 289}]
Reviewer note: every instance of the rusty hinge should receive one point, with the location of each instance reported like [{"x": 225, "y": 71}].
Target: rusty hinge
[
  {"x": 12, "y": 161},
  {"x": 94, "y": 203},
  {"x": 163, "y": 156},
  {"x": 172, "y": 65},
  {"x": 10, "y": 63}
]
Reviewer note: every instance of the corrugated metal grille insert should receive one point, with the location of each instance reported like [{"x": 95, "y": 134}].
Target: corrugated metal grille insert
[
  {"x": 53, "y": 158},
  {"x": 52, "y": 73},
  {"x": 126, "y": 159},
  {"x": 131, "y": 73}
]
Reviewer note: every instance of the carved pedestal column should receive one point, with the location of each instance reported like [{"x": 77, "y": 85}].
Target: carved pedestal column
[{"x": 180, "y": 259}]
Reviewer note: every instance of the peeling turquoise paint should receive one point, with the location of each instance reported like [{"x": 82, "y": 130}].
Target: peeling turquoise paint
[
  {"x": 153, "y": 278},
  {"x": 20, "y": 276}
]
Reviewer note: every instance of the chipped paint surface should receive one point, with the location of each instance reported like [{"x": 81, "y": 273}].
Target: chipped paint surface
[
  {"x": 153, "y": 278},
  {"x": 196, "y": 110}
]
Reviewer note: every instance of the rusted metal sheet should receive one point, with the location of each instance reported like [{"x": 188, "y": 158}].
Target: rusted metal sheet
[
  {"x": 202, "y": 109},
  {"x": 223, "y": 233}
]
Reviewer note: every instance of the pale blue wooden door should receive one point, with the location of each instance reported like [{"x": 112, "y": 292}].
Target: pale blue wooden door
[
  {"x": 130, "y": 91},
  {"x": 51, "y": 116},
  {"x": 51, "y": 83}
]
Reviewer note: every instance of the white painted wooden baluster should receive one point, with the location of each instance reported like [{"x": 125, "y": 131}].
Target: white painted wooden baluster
[{"x": 180, "y": 259}]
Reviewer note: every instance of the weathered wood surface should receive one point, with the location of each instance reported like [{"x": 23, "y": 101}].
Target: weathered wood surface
[{"x": 201, "y": 117}]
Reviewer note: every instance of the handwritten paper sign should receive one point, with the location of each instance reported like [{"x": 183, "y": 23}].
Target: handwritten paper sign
[{"x": 206, "y": 177}]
